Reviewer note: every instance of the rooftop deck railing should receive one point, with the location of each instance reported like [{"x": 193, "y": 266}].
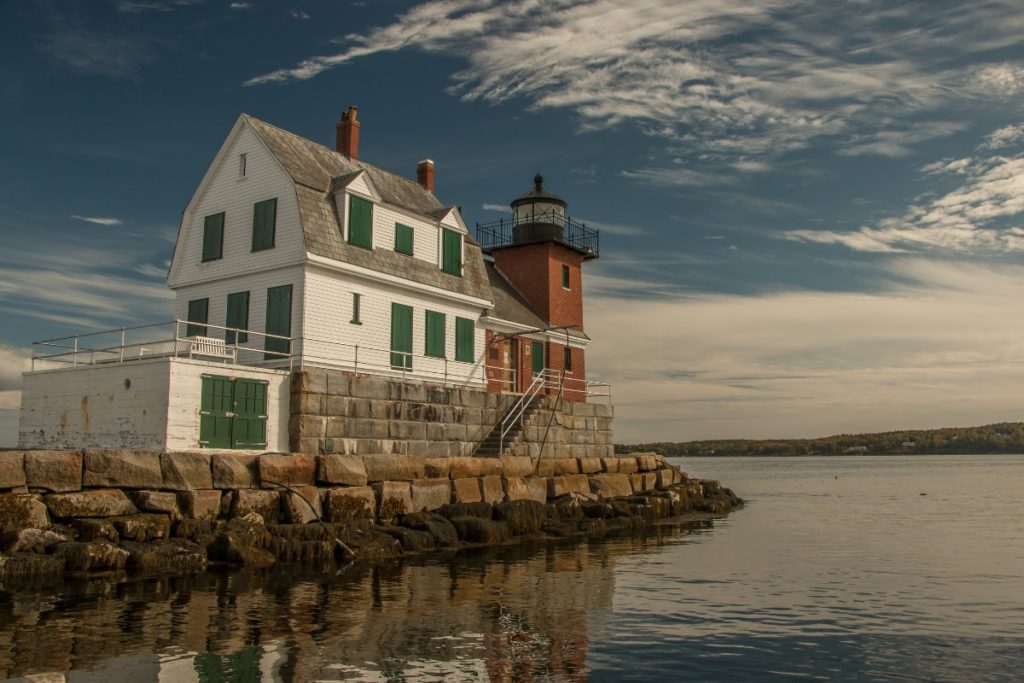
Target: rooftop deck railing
[{"x": 236, "y": 346}]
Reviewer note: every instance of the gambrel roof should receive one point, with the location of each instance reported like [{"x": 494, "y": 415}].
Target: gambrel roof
[{"x": 318, "y": 170}]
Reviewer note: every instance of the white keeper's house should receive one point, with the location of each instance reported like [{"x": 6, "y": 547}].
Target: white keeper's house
[{"x": 292, "y": 255}]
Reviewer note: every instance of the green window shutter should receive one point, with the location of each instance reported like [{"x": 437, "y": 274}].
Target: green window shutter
[
  {"x": 537, "y": 356},
  {"x": 279, "y": 321},
  {"x": 213, "y": 237},
  {"x": 435, "y": 335},
  {"x": 451, "y": 252},
  {"x": 565, "y": 276},
  {"x": 401, "y": 336},
  {"x": 465, "y": 332},
  {"x": 238, "y": 317},
  {"x": 360, "y": 222},
  {"x": 264, "y": 222},
  {"x": 403, "y": 239},
  {"x": 197, "y": 312},
  {"x": 249, "y": 424}
]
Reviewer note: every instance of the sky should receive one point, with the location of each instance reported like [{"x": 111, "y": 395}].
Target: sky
[{"x": 810, "y": 210}]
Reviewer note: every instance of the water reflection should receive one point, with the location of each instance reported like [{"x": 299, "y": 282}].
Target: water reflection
[{"x": 521, "y": 613}]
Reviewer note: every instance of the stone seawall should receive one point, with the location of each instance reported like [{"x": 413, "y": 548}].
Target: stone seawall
[
  {"x": 111, "y": 510},
  {"x": 338, "y": 412}
]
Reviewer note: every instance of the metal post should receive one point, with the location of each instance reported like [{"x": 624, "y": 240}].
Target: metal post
[
  {"x": 122, "y": 345},
  {"x": 74, "y": 355},
  {"x": 355, "y": 364}
]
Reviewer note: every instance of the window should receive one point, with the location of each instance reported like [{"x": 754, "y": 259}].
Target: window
[
  {"x": 403, "y": 239},
  {"x": 360, "y": 222},
  {"x": 435, "y": 335},
  {"x": 279, "y": 322},
  {"x": 197, "y": 312},
  {"x": 237, "y": 317},
  {"x": 264, "y": 221},
  {"x": 213, "y": 237},
  {"x": 401, "y": 337},
  {"x": 451, "y": 252},
  {"x": 241, "y": 165},
  {"x": 567, "y": 359},
  {"x": 355, "y": 309},
  {"x": 464, "y": 334},
  {"x": 565, "y": 276}
]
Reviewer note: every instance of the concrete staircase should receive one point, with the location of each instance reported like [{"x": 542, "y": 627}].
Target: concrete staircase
[{"x": 491, "y": 445}]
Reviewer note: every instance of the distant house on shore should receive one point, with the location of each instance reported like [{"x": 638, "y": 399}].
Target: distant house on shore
[{"x": 856, "y": 449}]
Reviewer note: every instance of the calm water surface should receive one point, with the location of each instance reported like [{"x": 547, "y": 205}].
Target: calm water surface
[{"x": 838, "y": 569}]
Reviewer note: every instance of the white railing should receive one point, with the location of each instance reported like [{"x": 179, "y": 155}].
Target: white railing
[
  {"x": 235, "y": 346},
  {"x": 541, "y": 381}
]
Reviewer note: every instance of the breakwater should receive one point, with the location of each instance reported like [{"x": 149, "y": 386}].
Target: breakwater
[{"x": 108, "y": 510}]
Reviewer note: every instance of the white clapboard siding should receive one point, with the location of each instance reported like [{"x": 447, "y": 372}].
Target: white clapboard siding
[
  {"x": 257, "y": 285},
  {"x": 235, "y": 196},
  {"x": 330, "y": 337}
]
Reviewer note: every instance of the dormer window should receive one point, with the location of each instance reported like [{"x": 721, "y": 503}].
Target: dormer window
[
  {"x": 451, "y": 252},
  {"x": 360, "y": 222}
]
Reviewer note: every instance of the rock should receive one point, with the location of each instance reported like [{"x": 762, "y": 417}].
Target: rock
[
  {"x": 93, "y": 556},
  {"x": 537, "y": 487},
  {"x": 646, "y": 462},
  {"x": 490, "y": 467},
  {"x": 95, "y": 503},
  {"x": 347, "y": 470},
  {"x": 293, "y": 469},
  {"x": 302, "y": 505},
  {"x": 232, "y": 471},
  {"x": 200, "y": 504},
  {"x": 573, "y": 483},
  {"x": 350, "y": 504},
  {"x": 597, "y": 510},
  {"x": 491, "y": 489},
  {"x": 193, "y": 529},
  {"x": 516, "y": 466},
  {"x": 96, "y": 530},
  {"x": 142, "y": 527},
  {"x": 430, "y": 494},
  {"x": 515, "y": 488},
  {"x": 31, "y": 540},
  {"x": 665, "y": 478},
  {"x": 437, "y": 468},
  {"x": 521, "y": 516},
  {"x": 157, "y": 501},
  {"x": 267, "y": 504},
  {"x": 56, "y": 471},
  {"x": 25, "y": 566},
  {"x": 177, "y": 556},
  {"x": 393, "y": 468},
  {"x": 627, "y": 465},
  {"x": 12, "y": 469},
  {"x": 466, "y": 490},
  {"x": 589, "y": 465},
  {"x": 22, "y": 511},
  {"x": 465, "y": 468},
  {"x": 186, "y": 470},
  {"x": 121, "y": 467},
  {"x": 412, "y": 540},
  {"x": 611, "y": 485},
  {"x": 610, "y": 465},
  {"x": 566, "y": 466},
  {"x": 546, "y": 468},
  {"x": 481, "y": 510},
  {"x": 242, "y": 541},
  {"x": 440, "y": 528},
  {"x": 393, "y": 498},
  {"x": 478, "y": 530}
]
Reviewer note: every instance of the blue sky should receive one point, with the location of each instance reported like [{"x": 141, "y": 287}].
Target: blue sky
[{"x": 810, "y": 211}]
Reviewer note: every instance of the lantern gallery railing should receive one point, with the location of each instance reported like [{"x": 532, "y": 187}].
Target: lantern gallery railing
[{"x": 531, "y": 228}]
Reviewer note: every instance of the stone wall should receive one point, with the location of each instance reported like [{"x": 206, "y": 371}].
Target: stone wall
[
  {"x": 40, "y": 488},
  {"x": 338, "y": 412}
]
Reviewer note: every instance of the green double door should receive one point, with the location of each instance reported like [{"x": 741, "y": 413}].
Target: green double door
[{"x": 233, "y": 413}]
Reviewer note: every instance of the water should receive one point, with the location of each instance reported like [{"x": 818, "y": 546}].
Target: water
[{"x": 838, "y": 569}]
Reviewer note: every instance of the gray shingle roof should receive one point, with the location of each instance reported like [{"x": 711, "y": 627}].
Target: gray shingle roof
[{"x": 316, "y": 170}]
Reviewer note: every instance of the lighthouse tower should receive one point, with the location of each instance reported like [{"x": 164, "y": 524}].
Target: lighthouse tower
[{"x": 541, "y": 252}]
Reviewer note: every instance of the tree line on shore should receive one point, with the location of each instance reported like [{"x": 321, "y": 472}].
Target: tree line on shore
[{"x": 1004, "y": 437}]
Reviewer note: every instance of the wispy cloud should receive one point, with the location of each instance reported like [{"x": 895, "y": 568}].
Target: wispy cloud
[
  {"x": 98, "y": 220},
  {"x": 138, "y": 6},
  {"x": 1004, "y": 137},
  {"x": 240, "y": 6},
  {"x": 899, "y": 143},
  {"x": 299, "y": 14},
  {"x": 679, "y": 177},
  {"x": 97, "y": 52}
]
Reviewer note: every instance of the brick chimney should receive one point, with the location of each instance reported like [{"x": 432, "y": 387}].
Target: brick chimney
[
  {"x": 347, "y": 140},
  {"x": 425, "y": 174}
]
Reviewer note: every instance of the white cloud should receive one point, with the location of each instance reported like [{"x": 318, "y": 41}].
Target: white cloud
[
  {"x": 98, "y": 220},
  {"x": 679, "y": 177},
  {"x": 941, "y": 350},
  {"x": 899, "y": 143},
  {"x": 1004, "y": 137},
  {"x": 241, "y": 5},
  {"x": 954, "y": 166},
  {"x": 14, "y": 360},
  {"x": 997, "y": 80},
  {"x": 299, "y": 14},
  {"x": 138, "y": 6}
]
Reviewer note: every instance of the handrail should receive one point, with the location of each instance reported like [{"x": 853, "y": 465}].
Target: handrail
[{"x": 540, "y": 382}]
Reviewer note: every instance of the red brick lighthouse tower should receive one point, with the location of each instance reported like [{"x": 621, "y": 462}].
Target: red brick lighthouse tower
[{"x": 541, "y": 252}]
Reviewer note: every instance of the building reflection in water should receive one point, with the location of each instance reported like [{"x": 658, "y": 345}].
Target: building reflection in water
[{"x": 518, "y": 613}]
